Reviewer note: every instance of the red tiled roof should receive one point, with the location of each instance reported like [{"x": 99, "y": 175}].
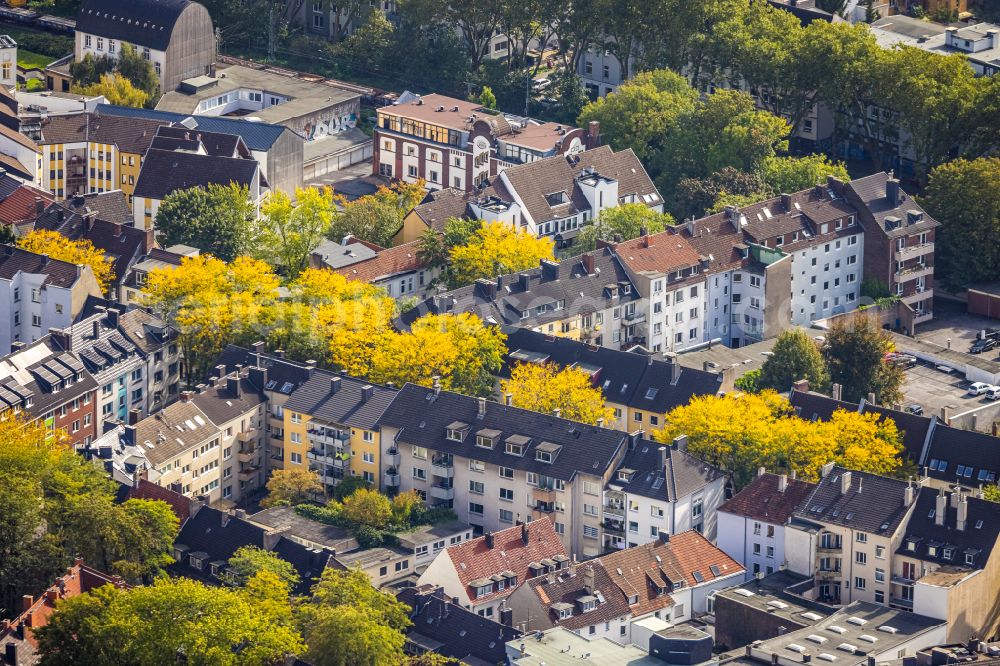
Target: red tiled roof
[
  {"x": 392, "y": 261},
  {"x": 473, "y": 560},
  {"x": 180, "y": 505},
  {"x": 660, "y": 253},
  {"x": 20, "y": 205},
  {"x": 761, "y": 500},
  {"x": 665, "y": 563}
]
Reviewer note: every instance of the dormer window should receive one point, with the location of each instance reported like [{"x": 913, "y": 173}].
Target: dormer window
[
  {"x": 932, "y": 551},
  {"x": 970, "y": 559},
  {"x": 456, "y": 431},
  {"x": 486, "y": 439},
  {"x": 516, "y": 445},
  {"x": 911, "y": 546},
  {"x": 546, "y": 452},
  {"x": 562, "y": 609},
  {"x": 948, "y": 553},
  {"x": 624, "y": 475}
]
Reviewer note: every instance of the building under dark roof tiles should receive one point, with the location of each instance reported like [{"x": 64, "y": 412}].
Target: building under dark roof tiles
[
  {"x": 14, "y": 260},
  {"x": 626, "y": 378},
  {"x": 575, "y": 599},
  {"x": 423, "y": 416},
  {"x": 227, "y": 398},
  {"x": 889, "y": 216},
  {"x": 452, "y": 631},
  {"x": 335, "y": 398},
  {"x": 213, "y": 143},
  {"x": 765, "y": 500},
  {"x": 173, "y": 430},
  {"x": 283, "y": 375},
  {"x": 952, "y": 529},
  {"x": 165, "y": 171},
  {"x": 663, "y": 472},
  {"x": 131, "y": 135},
  {"x": 859, "y": 500},
  {"x": 441, "y": 205}
]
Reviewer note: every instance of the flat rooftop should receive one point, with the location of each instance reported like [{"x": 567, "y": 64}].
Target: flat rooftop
[
  {"x": 769, "y": 596},
  {"x": 744, "y": 359},
  {"x": 299, "y": 528},
  {"x": 559, "y": 646},
  {"x": 431, "y": 533},
  {"x": 371, "y": 557}
]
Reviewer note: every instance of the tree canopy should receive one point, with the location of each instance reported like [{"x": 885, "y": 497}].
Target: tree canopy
[
  {"x": 219, "y": 220},
  {"x": 376, "y": 218},
  {"x": 794, "y": 356},
  {"x": 854, "y": 352},
  {"x": 626, "y": 222},
  {"x": 117, "y": 89},
  {"x": 496, "y": 249},
  {"x": 291, "y": 486},
  {"x": 545, "y": 388},
  {"x": 61, "y": 248},
  {"x": 291, "y": 231}
]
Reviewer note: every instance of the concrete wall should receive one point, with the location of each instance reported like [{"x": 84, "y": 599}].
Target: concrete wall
[
  {"x": 191, "y": 49},
  {"x": 738, "y": 624},
  {"x": 284, "y": 163}
]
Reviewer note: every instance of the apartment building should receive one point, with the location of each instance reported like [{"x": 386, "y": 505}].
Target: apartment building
[
  {"x": 589, "y": 298},
  {"x": 38, "y": 294},
  {"x": 193, "y": 160},
  {"x": 399, "y": 270},
  {"x": 899, "y": 240},
  {"x": 496, "y": 465},
  {"x": 449, "y": 142},
  {"x": 21, "y": 203},
  {"x": 331, "y": 425},
  {"x": 672, "y": 578},
  {"x": 53, "y": 387},
  {"x": 978, "y": 42},
  {"x": 556, "y": 196},
  {"x": 482, "y": 573},
  {"x": 668, "y": 275},
  {"x": 849, "y": 527},
  {"x": 176, "y": 36},
  {"x": 640, "y": 389},
  {"x": 948, "y": 565},
  {"x": 88, "y": 152},
  {"x": 659, "y": 489},
  {"x": 752, "y": 523}
]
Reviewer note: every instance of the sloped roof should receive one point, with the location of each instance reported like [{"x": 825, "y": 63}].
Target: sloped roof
[
  {"x": 179, "y": 504},
  {"x": 19, "y": 206},
  {"x": 385, "y": 264},
  {"x": 223, "y": 403},
  {"x": 144, "y": 22},
  {"x": 872, "y": 503},
  {"x": 977, "y": 539},
  {"x": 440, "y": 205},
  {"x": 761, "y": 500},
  {"x": 682, "y": 475},
  {"x": 340, "y": 399},
  {"x": 474, "y": 560},
  {"x": 165, "y": 171},
  {"x": 173, "y": 430},
  {"x": 657, "y": 254},
  {"x": 567, "y": 589},
  {"x": 131, "y": 135},
  {"x": 14, "y": 260}
]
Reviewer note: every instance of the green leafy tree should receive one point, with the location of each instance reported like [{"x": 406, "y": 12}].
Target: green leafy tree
[
  {"x": 376, "y": 217},
  {"x": 694, "y": 197},
  {"x": 137, "y": 70},
  {"x": 794, "y": 356},
  {"x": 626, "y": 222},
  {"x": 968, "y": 242},
  {"x": 248, "y": 561},
  {"x": 369, "y": 47},
  {"x": 116, "y": 89},
  {"x": 487, "y": 99},
  {"x": 219, "y": 220},
  {"x": 173, "y": 620},
  {"x": 367, "y": 507},
  {"x": 793, "y": 174},
  {"x": 570, "y": 94},
  {"x": 992, "y": 492},
  {"x": 749, "y": 382},
  {"x": 854, "y": 352},
  {"x": 291, "y": 486},
  {"x": 88, "y": 70},
  {"x": 290, "y": 232}
]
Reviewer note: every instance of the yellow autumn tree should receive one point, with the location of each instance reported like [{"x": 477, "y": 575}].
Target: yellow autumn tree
[
  {"x": 458, "y": 348},
  {"x": 117, "y": 89},
  {"x": 212, "y": 303},
  {"x": 544, "y": 388},
  {"x": 496, "y": 249},
  {"x": 57, "y": 246},
  {"x": 291, "y": 486},
  {"x": 746, "y": 431}
]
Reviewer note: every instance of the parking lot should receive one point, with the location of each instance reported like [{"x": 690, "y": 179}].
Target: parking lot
[
  {"x": 954, "y": 328},
  {"x": 933, "y": 389}
]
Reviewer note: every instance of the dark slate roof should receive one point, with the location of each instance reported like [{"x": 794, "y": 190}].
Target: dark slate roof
[
  {"x": 131, "y": 135},
  {"x": 144, "y": 22},
  {"x": 761, "y": 499},
  {"x": 223, "y": 403},
  {"x": 214, "y": 143},
  {"x": 14, "y": 260},
  {"x": 21, "y": 381},
  {"x": 283, "y": 376},
  {"x": 145, "y": 330},
  {"x": 869, "y": 192},
  {"x": 978, "y": 538},
  {"x": 459, "y": 633},
  {"x": 258, "y": 136},
  {"x": 952, "y": 447},
  {"x": 344, "y": 404},
  {"x": 572, "y": 285},
  {"x": 629, "y": 378},
  {"x": 441, "y": 205},
  {"x": 872, "y": 503},
  {"x": 567, "y": 589},
  {"x": 682, "y": 474},
  {"x": 165, "y": 171},
  {"x": 205, "y": 532},
  {"x": 423, "y": 416}
]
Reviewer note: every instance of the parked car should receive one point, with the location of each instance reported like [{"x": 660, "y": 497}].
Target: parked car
[
  {"x": 915, "y": 409},
  {"x": 979, "y": 388},
  {"x": 901, "y": 360},
  {"x": 539, "y": 84},
  {"x": 979, "y": 346},
  {"x": 988, "y": 333},
  {"x": 993, "y": 393}
]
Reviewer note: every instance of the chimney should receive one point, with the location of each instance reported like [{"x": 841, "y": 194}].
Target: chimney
[
  {"x": 550, "y": 270},
  {"x": 835, "y": 391},
  {"x": 525, "y": 536},
  {"x": 334, "y": 385},
  {"x": 940, "y": 508},
  {"x": 588, "y": 580},
  {"x": 674, "y": 367},
  {"x": 761, "y": 471},
  {"x": 963, "y": 513},
  {"x": 782, "y": 483},
  {"x": 588, "y": 263},
  {"x": 27, "y": 601},
  {"x": 10, "y": 653},
  {"x": 893, "y": 193},
  {"x": 225, "y": 517},
  {"x": 186, "y": 396},
  {"x": 234, "y": 386},
  {"x": 39, "y": 206},
  {"x": 664, "y": 537},
  {"x": 367, "y": 391},
  {"x": 908, "y": 493},
  {"x": 647, "y": 240},
  {"x": 133, "y": 416},
  {"x": 522, "y": 281},
  {"x": 593, "y": 134},
  {"x": 487, "y": 289},
  {"x": 946, "y": 415},
  {"x": 871, "y": 398},
  {"x": 97, "y": 329},
  {"x": 663, "y": 457},
  {"x": 480, "y": 407},
  {"x": 436, "y": 385},
  {"x": 681, "y": 442},
  {"x": 786, "y": 202},
  {"x": 489, "y": 540},
  {"x": 802, "y": 386},
  {"x": 557, "y": 412},
  {"x": 845, "y": 483}
]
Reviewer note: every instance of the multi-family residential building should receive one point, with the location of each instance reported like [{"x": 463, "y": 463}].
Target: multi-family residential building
[
  {"x": 449, "y": 142},
  {"x": 20, "y": 155},
  {"x": 331, "y": 425},
  {"x": 38, "y": 293},
  {"x": 948, "y": 564},
  {"x": 899, "y": 240},
  {"x": 175, "y": 35},
  {"x": 752, "y": 523},
  {"x": 638, "y": 388},
  {"x": 193, "y": 159},
  {"x": 399, "y": 270},
  {"x": 660, "y": 489},
  {"x": 21, "y": 203},
  {"x": 849, "y": 526},
  {"x": 482, "y": 573},
  {"x": 978, "y": 42},
  {"x": 589, "y": 298},
  {"x": 668, "y": 275},
  {"x": 582, "y": 599},
  {"x": 90, "y": 152},
  {"x": 386, "y": 566},
  {"x": 672, "y": 578},
  {"x": 496, "y": 465},
  {"x": 53, "y": 387}
]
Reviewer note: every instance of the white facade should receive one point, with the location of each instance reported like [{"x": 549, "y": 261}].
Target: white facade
[
  {"x": 676, "y": 316},
  {"x": 29, "y": 308},
  {"x": 8, "y": 62},
  {"x": 758, "y": 545},
  {"x": 99, "y": 46},
  {"x": 826, "y": 278}
]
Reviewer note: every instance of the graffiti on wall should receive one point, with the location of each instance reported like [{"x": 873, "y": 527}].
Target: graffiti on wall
[{"x": 329, "y": 126}]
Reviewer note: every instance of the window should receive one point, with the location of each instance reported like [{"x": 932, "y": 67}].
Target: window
[
  {"x": 506, "y": 494},
  {"x": 860, "y": 583},
  {"x": 296, "y": 458},
  {"x": 420, "y": 452},
  {"x": 295, "y": 417},
  {"x": 879, "y": 597},
  {"x": 420, "y": 473},
  {"x": 861, "y": 537},
  {"x": 506, "y": 516},
  {"x": 861, "y": 557},
  {"x": 477, "y": 465},
  {"x": 589, "y": 532},
  {"x": 476, "y": 509},
  {"x": 879, "y": 575},
  {"x": 880, "y": 552},
  {"x": 476, "y": 487},
  {"x": 506, "y": 473}
]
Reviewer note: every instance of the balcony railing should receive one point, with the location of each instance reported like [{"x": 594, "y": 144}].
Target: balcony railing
[
  {"x": 443, "y": 467},
  {"x": 913, "y": 251},
  {"x": 834, "y": 547},
  {"x": 247, "y": 456},
  {"x": 918, "y": 296},
  {"x": 613, "y": 528},
  {"x": 612, "y": 510},
  {"x": 248, "y": 473},
  {"x": 391, "y": 478},
  {"x": 902, "y": 580},
  {"x": 392, "y": 457},
  {"x": 827, "y": 574},
  {"x": 922, "y": 316},
  {"x": 914, "y": 272},
  {"x": 442, "y": 492}
]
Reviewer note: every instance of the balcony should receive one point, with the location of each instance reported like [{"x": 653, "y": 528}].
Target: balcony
[
  {"x": 827, "y": 574},
  {"x": 392, "y": 457},
  {"x": 922, "y": 316},
  {"x": 443, "y": 467},
  {"x": 246, "y": 436},
  {"x": 391, "y": 478},
  {"x": 544, "y": 507},
  {"x": 248, "y": 474},
  {"x": 613, "y": 528},
  {"x": 914, "y": 272},
  {"x": 547, "y": 495},
  {"x": 613, "y": 510},
  {"x": 918, "y": 296},
  {"x": 442, "y": 492},
  {"x": 247, "y": 456},
  {"x": 635, "y": 317},
  {"x": 899, "y": 602},
  {"x": 902, "y": 580},
  {"x": 913, "y": 252},
  {"x": 320, "y": 457},
  {"x": 831, "y": 547}
]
